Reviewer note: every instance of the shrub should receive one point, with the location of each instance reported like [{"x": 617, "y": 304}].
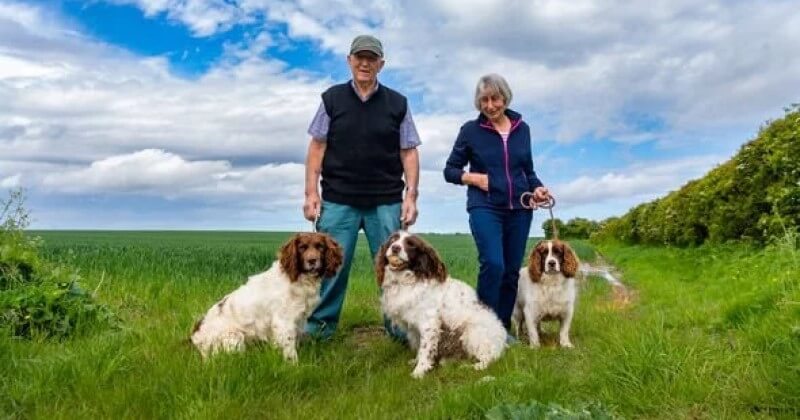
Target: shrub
[{"x": 38, "y": 298}]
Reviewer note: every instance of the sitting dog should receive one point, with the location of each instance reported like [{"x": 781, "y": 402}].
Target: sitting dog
[
  {"x": 438, "y": 313},
  {"x": 547, "y": 291},
  {"x": 272, "y": 306}
]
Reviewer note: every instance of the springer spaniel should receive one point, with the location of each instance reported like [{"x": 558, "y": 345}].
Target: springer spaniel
[
  {"x": 440, "y": 315},
  {"x": 547, "y": 291},
  {"x": 272, "y": 306}
]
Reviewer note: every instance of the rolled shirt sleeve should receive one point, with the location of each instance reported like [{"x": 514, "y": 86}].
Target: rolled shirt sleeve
[
  {"x": 318, "y": 129},
  {"x": 409, "y": 137}
]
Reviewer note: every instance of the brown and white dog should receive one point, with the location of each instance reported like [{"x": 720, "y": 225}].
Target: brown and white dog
[
  {"x": 547, "y": 291},
  {"x": 438, "y": 313},
  {"x": 272, "y": 306}
]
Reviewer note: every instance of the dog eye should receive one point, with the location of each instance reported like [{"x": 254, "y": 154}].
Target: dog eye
[
  {"x": 318, "y": 246},
  {"x": 303, "y": 247}
]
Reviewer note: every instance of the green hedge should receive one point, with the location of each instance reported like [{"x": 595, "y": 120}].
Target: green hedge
[{"x": 753, "y": 196}]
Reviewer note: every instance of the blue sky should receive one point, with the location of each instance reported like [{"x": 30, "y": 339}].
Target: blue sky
[{"x": 192, "y": 114}]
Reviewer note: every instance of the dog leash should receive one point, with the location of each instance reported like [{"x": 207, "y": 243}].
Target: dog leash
[
  {"x": 527, "y": 197},
  {"x": 315, "y": 222}
]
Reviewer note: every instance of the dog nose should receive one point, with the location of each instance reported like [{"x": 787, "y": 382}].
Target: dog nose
[
  {"x": 312, "y": 260},
  {"x": 551, "y": 263},
  {"x": 396, "y": 249}
]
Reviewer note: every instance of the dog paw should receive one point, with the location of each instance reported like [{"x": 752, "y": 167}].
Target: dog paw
[
  {"x": 420, "y": 371},
  {"x": 291, "y": 358},
  {"x": 566, "y": 344},
  {"x": 480, "y": 365}
]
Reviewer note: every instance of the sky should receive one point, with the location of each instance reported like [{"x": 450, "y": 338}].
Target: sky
[{"x": 193, "y": 114}]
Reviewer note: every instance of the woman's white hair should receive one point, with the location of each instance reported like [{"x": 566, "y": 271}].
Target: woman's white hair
[{"x": 492, "y": 83}]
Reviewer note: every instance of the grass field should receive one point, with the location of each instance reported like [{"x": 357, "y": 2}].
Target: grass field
[{"x": 711, "y": 332}]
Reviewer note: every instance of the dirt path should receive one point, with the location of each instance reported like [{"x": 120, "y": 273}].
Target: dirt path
[{"x": 621, "y": 296}]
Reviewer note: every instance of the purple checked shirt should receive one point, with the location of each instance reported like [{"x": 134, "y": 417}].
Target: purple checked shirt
[{"x": 409, "y": 138}]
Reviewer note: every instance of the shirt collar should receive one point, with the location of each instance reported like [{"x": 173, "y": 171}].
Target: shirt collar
[{"x": 369, "y": 95}]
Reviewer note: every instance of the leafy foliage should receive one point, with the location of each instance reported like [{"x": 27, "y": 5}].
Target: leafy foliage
[
  {"x": 37, "y": 297},
  {"x": 18, "y": 255},
  {"x": 551, "y": 411},
  {"x": 754, "y": 196},
  {"x": 577, "y": 228}
]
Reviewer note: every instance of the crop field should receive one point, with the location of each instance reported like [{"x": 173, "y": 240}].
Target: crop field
[{"x": 707, "y": 332}]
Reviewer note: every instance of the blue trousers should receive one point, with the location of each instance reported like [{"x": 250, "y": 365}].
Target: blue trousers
[
  {"x": 343, "y": 222},
  {"x": 500, "y": 236}
]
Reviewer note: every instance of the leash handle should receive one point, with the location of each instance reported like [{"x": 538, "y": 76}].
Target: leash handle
[{"x": 527, "y": 197}]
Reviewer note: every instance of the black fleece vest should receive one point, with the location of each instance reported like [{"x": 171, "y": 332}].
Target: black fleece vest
[{"x": 361, "y": 166}]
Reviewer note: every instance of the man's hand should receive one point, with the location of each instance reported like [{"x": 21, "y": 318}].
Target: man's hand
[
  {"x": 311, "y": 207},
  {"x": 408, "y": 212},
  {"x": 477, "y": 180}
]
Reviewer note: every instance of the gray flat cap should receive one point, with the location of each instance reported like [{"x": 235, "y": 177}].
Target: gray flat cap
[{"x": 366, "y": 43}]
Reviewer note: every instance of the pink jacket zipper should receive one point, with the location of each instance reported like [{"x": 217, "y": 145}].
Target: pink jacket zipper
[
  {"x": 508, "y": 175},
  {"x": 514, "y": 125}
]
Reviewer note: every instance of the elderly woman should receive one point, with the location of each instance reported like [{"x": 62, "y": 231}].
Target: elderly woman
[{"x": 497, "y": 147}]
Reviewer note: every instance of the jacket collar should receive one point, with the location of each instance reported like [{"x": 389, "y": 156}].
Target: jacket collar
[{"x": 514, "y": 116}]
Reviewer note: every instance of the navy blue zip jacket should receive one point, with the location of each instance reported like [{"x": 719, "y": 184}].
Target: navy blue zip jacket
[{"x": 509, "y": 165}]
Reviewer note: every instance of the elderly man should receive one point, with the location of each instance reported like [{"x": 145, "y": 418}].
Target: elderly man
[{"x": 363, "y": 143}]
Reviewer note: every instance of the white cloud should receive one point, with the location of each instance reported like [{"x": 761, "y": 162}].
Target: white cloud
[
  {"x": 80, "y": 100},
  {"x": 11, "y": 182},
  {"x": 143, "y": 171},
  {"x": 203, "y": 17},
  {"x": 641, "y": 180},
  {"x": 586, "y": 65}
]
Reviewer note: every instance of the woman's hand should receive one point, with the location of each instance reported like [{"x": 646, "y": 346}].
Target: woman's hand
[
  {"x": 541, "y": 195},
  {"x": 476, "y": 180}
]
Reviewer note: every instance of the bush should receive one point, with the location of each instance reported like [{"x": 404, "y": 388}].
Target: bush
[
  {"x": 38, "y": 298},
  {"x": 754, "y": 196}
]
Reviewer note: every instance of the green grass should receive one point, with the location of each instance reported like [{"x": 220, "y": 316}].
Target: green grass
[{"x": 713, "y": 332}]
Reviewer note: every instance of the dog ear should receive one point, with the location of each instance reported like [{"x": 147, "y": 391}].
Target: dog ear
[
  {"x": 381, "y": 261},
  {"x": 535, "y": 263},
  {"x": 571, "y": 262},
  {"x": 430, "y": 265},
  {"x": 333, "y": 256},
  {"x": 289, "y": 259}
]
